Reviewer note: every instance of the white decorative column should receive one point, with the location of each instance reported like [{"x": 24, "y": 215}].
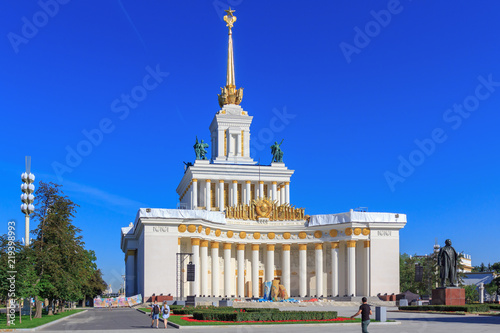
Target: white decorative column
[
  {"x": 270, "y": 262},
  {"x": 274, "y": 191},
  {"x": 248, "y": 189},
  {"x": 287, "y": 192},
  {"x": 255, "y": 270},
  {"x": 285, "y": 273},
  {"x": 235, "y": 192},
  {"x": 195, "y": 260},
  {"x": 204, "y": 267},
  {"x": 367, "y": 268},
  {"x": 351, "y": 267},
  {"x": 215, "y": 269},
  {"x": 335, "y": 268},
  {"x": 302, "y": 270},
  {"x": 208, "y": 199},
  {"x": 240, "y": 256},
  {"x": 278, "y": 197},
  {"x": 227, "y": 270},
  {"x": 319, "y": 269},
  {"x": 195, "y": 193},
  {"x": 221, "y": 195},
  {"x": 261, "y": 189}
]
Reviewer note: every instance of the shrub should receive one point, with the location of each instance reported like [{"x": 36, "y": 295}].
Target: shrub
[
  {"x": 264, "y": 315},
  {"x": 448, "y": 308}
]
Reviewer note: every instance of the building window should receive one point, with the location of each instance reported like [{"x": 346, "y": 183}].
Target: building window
[
  {"x": 212, "y": 195},
  {"x": 239, "y": 194},
  {"x": 226, "y": 194}
]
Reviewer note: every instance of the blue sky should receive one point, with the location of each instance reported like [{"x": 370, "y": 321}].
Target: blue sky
[{"x": 388, "y": 105}]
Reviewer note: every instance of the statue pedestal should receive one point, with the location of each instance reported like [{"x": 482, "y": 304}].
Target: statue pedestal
[{"x": 448, "y": 296}]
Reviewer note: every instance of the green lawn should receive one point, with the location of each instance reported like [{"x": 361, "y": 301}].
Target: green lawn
[
  {"x": 178, "y": 320},
  {"x": 27, "y": 323}
]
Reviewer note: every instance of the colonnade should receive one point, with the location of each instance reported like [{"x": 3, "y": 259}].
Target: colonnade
[
  {"x": 278, "y": 192},
  {"x": 199, "y": 249}
]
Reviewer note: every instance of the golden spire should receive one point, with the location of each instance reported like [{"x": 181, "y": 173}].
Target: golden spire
[{"x": 229, "y": 94}]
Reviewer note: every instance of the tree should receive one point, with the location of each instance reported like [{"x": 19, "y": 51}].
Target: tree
[
  {"x": 407, "y": 270},
  {"x": 471, "y": 294},
  {"x": 63, "y": 266}
]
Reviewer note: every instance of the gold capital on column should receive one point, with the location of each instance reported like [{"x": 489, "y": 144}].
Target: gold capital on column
[
  {"x": 221, "y": 181},
  {"x": 214, "y": 245},
  {"x": 255, "y": 247},
  {"x": 204, "y": 243},
  {"x": 241, "y": 247},
  {"x": 261, "y": 182},
  {"x": 287, "y": 183},
  {"x": 335, "y": 245},
  {"x": 194, "y": 180},
  {"x": 208, "y": 180},
  {"x": 270, "y": 247},
  {"x": 274, "y": 183},
  {"x": 178, "y": 241},
  {"x": 227, "y": 246},
  {"x": 367, "y": 243},
  {"x": 195, "y": 241},
  {"x": 318, "y": 246},
  {"x": 351, "y": 243},
  {"x": 286, "y": 247},
  {"x": 248, "y": 182},
  {"x": 235, "y": 182},
  {"x": 302, "y": 247}
]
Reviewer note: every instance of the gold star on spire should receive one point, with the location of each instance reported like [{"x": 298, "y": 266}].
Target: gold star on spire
[{"x": 229, "y": 11}]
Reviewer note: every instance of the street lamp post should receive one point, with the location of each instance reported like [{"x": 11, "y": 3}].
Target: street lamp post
[{"x": 27, "y": 198}]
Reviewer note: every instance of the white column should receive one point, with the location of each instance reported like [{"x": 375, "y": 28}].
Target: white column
[
  {"x": 195, "y": 259},
  {"x": 287, "y": 192},
  {"x": 319, "y": 269},
  {"x": 367, "y": 268},
  {"x": 335, "y": 269},
  {"x": 221, "y": 195},
  {"x": 215, "y": 269},
  {"x": 278, "y": 197},
  {"x": 208, "y": 200},
  {"x": 274, "y": 191},
  {"x": 261, "y": 189},
  {"x": 235, "y": 192},
  {"x": 351, "y": 267},
  {"x": 241, "y": 270},
  {"x": 270, "y": 262},
  {"x": 228, "y": 275},
  {"x": 247, "y": 192},
  {"x": 302, "y": 270},
  {"x": 195, "y": 193},
  {"x": 285, "y": 274},
  {"x": 204, "y": 267},
  {"x": 255, "y": 270}
]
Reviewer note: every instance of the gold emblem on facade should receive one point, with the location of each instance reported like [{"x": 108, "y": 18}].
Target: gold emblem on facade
[
  {"x": 182, "y": 228},
  {"x": 217, "y": 232},
  {"x": 333, "y": 233},
  {"x": 271, "y": 235},
  {"x": 348, "y": 231},
  {"x": 191, "y": 228},
  {"x": 287, "y": 235},
  {"x": 230, "y": 234},
  {"x": 265, "y": 208},
  {"x": 256, "y": 235},
  {"x": 357, "y": 231},
  {"x": 318, "y": 234},
  {"x": 302, "y": 235},
  {"x": 366, "y": 231}
]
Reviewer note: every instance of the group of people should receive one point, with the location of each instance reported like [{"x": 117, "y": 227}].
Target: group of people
[{"x": 156, "y": 311}]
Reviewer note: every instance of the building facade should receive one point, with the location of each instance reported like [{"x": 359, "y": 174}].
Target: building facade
[{"x": 239, "y": 228}]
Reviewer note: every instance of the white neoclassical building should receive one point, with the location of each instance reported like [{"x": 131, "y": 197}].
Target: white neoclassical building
[{"x": 239, "y": 228}]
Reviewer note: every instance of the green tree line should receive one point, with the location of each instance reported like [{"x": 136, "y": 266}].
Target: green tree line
[{"x": 56, "y": 266}]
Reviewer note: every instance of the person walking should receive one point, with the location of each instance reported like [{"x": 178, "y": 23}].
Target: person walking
[
  {"x": 165, "y": 312},
  {"x": 365, "y": 312},
  {"x": 155, "y": 314}
]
